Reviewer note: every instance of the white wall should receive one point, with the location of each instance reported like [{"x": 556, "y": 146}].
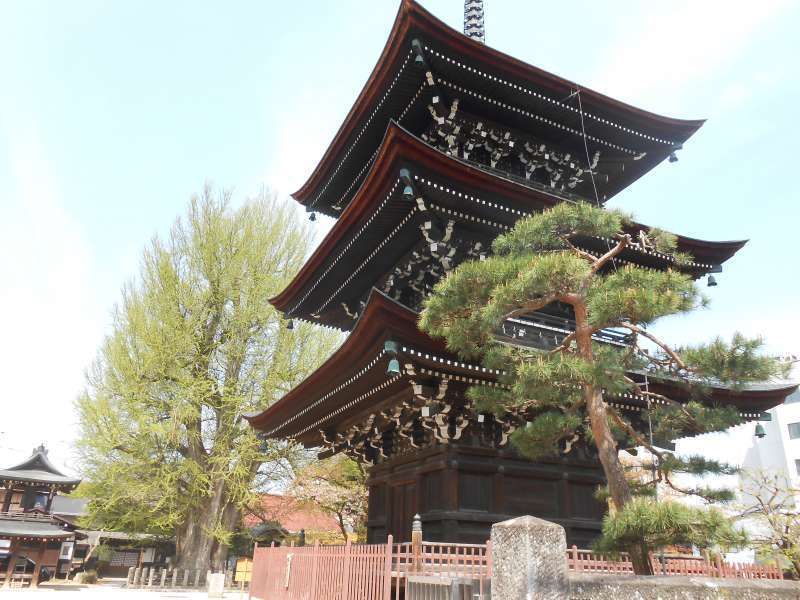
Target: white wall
[{"x": 738, "y": 446}]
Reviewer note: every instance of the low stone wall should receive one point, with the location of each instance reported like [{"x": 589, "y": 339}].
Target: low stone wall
[{"x": 630, "y": 587}]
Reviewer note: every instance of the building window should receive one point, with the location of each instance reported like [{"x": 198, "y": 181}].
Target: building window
[{"x": 794, "y": 431}]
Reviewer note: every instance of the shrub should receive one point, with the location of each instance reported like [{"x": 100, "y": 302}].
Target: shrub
[{"x": 87, "y": 577}]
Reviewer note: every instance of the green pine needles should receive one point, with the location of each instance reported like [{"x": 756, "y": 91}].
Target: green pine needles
[{"x": 559, "y": 396}]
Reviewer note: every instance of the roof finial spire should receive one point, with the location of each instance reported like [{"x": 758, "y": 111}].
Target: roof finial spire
[{"x": 473, "y": 20}]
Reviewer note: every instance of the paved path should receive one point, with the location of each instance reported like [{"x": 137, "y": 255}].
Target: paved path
[{"x": 107, "y": 592}]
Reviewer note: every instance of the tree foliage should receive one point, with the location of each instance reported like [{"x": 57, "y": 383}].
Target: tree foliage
[
  {"x": 658, "y": 524},
  {"x": 559, "y": 394},
  {"x": 194, "y": 346},
  {"x": 769, "y": 504},
  {"x": 337, "y": 487}
]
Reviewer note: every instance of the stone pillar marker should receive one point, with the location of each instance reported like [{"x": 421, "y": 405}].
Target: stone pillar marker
[
  {"x": 529, "y": 560},
  {"x": 216, "y": 585}
]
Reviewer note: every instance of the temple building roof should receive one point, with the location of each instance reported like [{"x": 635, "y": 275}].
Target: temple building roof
[
  {"x": 37, "y": 469},
  {"x": 426, "y": 64},
  {"x": 33, "y": 526},
  {"x": 381, "y": 225},
  {"x": 352, "y": 386}
]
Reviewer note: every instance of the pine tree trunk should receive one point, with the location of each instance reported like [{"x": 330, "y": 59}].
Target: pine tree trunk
[{"x": 618, "y": 486}]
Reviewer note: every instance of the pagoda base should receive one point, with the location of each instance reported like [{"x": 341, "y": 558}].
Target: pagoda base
[{"x": 461, "y": 491}]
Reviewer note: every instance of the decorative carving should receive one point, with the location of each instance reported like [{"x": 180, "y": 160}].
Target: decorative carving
[
  {"x": 412, "y": 280},
  {"x": 467, "y": 137}
]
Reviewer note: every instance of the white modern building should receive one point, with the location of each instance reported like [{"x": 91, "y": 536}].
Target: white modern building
[{"x": 771, "y": 446}]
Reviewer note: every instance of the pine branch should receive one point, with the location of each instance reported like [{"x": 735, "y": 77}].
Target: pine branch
[
  {"x": 624, "y": 240},
  {"x": 663, "y": 345},
  {"x": 632, "y": 432}
]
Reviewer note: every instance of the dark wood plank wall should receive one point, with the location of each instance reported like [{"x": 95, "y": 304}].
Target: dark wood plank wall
[{"x": 460, "y": 491}]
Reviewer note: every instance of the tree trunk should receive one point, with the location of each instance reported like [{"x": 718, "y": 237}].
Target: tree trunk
[
  {"x": 618, "y": 486},
  {"x": 196, "y": 548}
]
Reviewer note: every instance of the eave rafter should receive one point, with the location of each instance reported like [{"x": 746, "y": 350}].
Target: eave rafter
[
  {"x": 381, "y": 224},
  {"x": 352, "y": 400}
]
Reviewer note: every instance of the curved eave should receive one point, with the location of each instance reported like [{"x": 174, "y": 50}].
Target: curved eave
[
  {"x": 755, "y": 397},
  {"x": 382, "y": 319},
  {"x": 43, "y": 480},
  {"x": 16, "y": 529},
  {"x": 400, "y": 146},
  {"x": 713, "y": 252},
  {"x": 412, "y": 18}
]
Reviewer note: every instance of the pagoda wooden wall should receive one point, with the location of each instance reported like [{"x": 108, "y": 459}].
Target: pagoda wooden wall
[{"x": 460, "y": 491}]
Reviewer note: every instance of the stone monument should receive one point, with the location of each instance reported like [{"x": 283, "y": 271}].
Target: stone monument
[
  {"x": 216, "y": 585},
  {"x": 529, "y": 560}
]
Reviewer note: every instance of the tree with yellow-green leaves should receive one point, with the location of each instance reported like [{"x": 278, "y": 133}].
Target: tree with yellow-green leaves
[{"x": 194, "y": 346}]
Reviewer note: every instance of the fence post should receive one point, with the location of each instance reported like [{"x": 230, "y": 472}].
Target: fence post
[
  {"x": 346, "y": 572},
  {"x": 387, "y": 582},
  {"x": 575, "y": 564},
  {"x": 416, "y": 543},
  {"x": 152, "y": 575},
  {"x": 175, "y": 577},
  {"x": 197, "y": 578},
  {"x": 131, "y": 572},
  {"x": 145, "y": 572},
  {"x": 314, "y": 565},
  {"x": 186, "y": 578},
  {"x": 163, "y": 578}
]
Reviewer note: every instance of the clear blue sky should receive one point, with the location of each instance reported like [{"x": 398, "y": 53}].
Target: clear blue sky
[{"x": 113, "y": 113}]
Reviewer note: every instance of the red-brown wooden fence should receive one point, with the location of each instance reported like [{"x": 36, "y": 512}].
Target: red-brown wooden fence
[
  {"x": 349, "y": 572},
  {"x": 382, "y": 571},
  {"x": 586, "y": 561},
  {"x": 362, "y": 572}
]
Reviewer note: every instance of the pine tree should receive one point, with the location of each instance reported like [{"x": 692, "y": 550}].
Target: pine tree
[{"x": 560, "y": 392}]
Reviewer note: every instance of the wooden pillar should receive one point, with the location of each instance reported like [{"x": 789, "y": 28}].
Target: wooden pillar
[
  {"x": 7, "y": 499},
  {"x": 451, "y": 500},
  {"x": 416, "y": 544},
  {"x": 498, "y": 499},
  {"x": 38, "y": 568},
  {"x": 48, "y": 508},
  {"x": 12, "y": 561}
]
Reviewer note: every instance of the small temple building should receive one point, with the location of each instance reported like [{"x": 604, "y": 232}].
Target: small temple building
[
  {"x": 283, "y": 519},
  {"x": 33, "y": 540},
  {"x": 449, "y": 143}
]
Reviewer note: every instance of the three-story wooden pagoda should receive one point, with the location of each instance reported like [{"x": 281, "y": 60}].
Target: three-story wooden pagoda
[{"x": 450, "y": 143}]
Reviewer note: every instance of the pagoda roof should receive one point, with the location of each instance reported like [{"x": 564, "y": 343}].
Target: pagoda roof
[
  {"x": 37, "y": 469},
  {"x": 502, "y": 87},
  {"x": 353, "y": 383},
  {"x": 354, "y": 370},
  {"x": 373, "y": 231}
]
